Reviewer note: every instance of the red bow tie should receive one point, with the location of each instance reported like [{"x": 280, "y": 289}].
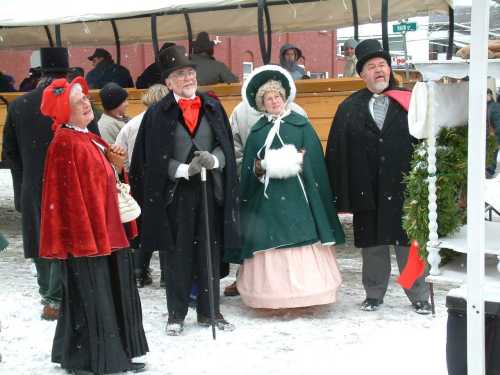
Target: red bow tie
[{"x": 190, "y": 111}]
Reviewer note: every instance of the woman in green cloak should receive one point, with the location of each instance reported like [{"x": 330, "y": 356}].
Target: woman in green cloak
[{"x": 288, "y": 216}]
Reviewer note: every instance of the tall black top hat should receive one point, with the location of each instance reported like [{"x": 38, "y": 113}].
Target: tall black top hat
[
  {"x": 173, "y": 58},
  {"x": 367, "y": 50},
  {"x": 54, "y": 60}
]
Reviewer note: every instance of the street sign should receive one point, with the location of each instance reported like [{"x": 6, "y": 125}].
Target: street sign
[{"x": 403, "y": 27}]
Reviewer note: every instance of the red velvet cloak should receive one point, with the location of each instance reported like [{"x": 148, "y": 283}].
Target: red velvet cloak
[{"x": 79, "y": 202}]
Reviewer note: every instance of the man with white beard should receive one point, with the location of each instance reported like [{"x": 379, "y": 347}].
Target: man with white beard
[
  {"x": 184, "y": 132},
  {"x": 368, "y": 153}
]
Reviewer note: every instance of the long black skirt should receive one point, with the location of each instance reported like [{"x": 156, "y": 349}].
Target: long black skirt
[{"x": 100, "y": 324}]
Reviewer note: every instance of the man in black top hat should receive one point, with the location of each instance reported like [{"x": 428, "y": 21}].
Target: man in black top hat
[
  {"x": 105, "y": 70},
  {"x": 151, "y": 74},
  {"x": 368, "y": 153},
  {"x": 208, "y": 70},
  {"x": 27, "y": 135},
  {"x": 182, "y": 133}
]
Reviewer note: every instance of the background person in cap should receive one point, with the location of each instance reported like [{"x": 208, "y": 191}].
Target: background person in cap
[
  {"x": 105, "y": 70},
  {"x": 151, "y": 75},
  {"x": 27, "y": 135},
  {"x": 368, "y": 153},
  {"x": 289, "y": 55},
  {"x": 31, "y": 81},
  {"x": 288, "y": 217},
  {"x": 114, "y": 102},
  {"x": 350, "y": 58},
  {"x": 100, "y": 328},
  {"x": 6, "y": 83},
  {"x": 179, "y": 135},
  {"x": 208, "y": 70}
]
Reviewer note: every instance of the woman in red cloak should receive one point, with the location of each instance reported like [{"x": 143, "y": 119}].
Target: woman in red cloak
[{"x": 100, "y": 325}]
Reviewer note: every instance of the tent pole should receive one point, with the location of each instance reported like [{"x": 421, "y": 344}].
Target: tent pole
[
  {"x": 385, "y": 20},
  {"x": 190, "y": 33},
  {"x": 154, "y": 35},
  {"x": 478, "y": 71},
  {"x": 355, "y": 20},
  {"x": 451, "y": 32},
  {"x": 263, "y": 11},
  {"x": 117, "y": 42},
  {"x": 58, "y": 36},
  {"x": 49, "y": 36}
]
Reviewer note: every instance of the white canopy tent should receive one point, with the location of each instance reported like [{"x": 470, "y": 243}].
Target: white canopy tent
[{"x": 22, "y": 22}]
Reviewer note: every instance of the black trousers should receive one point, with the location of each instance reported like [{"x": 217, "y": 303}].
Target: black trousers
[
  {"x": 186, "y": 260},
  {"x": 142, "y": 260}
]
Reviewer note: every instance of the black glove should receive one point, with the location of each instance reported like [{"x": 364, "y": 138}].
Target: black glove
[
  {"x": 194, "y": 166},
  {"x": 206, "y": 159}
]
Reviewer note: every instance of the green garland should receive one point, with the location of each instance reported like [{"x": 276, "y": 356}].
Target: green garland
[{"x": 451, "y": 184}]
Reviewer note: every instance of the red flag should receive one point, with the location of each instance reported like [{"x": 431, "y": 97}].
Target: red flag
[{"x": 414, "y": 268}]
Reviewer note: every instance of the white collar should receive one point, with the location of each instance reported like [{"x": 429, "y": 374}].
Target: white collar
[
  {"x": 78, "y": 129},
  {"x": 177, "y": 97}
]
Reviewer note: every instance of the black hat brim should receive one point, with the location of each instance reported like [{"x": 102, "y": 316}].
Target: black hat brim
[
  {"x": 384, "y": 54},
  {"x": 166, "y": 72},
  {"x": 55, "y": 70}
]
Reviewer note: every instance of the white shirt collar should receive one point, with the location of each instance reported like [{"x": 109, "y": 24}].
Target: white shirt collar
[
  {"x": 177, "y": 97},
  {"x": 78, "y": 129}
]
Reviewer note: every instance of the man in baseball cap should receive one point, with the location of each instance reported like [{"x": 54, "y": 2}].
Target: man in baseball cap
[{"x": 105, "y": 70}]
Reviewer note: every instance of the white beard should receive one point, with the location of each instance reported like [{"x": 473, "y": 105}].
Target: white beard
[{"x": 380, "y": 86}]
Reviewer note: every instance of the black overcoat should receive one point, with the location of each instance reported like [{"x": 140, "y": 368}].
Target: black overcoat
[
  {"x": 26, "y": 137},
  {"x": 366, "y": 166},
  {"x": 150, "y": 182}
]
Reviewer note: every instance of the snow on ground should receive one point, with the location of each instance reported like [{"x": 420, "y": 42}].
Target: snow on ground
[{"x": 334, "y": 339}]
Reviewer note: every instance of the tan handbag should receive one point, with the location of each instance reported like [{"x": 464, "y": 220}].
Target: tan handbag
[{"x": 127, "y": 205}]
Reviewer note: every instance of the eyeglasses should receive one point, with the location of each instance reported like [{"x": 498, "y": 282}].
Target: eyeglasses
[{"x": 184, "y": 74}]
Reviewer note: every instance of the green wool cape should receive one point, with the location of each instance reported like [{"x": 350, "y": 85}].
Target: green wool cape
[{"x": 286, "y": 219}]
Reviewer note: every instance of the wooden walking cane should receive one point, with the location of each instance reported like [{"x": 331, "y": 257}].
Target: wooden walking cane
[{"x": 208, "y": 250}]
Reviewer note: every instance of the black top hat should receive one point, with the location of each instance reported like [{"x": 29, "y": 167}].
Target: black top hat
[
  {"x": 100, "y": 52},
  {"x": 54, "y": 60},
  {"x": 202, "y": 43},
  {"x": 368, "y": 49},
  {"x": 173, "y": 58}
]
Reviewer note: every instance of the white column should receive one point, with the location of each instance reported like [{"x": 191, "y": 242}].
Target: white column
[
  {"x": 433, "y": 257},
  {"x": 475, "y": 189}
]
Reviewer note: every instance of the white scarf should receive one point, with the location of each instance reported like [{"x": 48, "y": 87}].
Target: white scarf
[{"x": 275, "y": 132}]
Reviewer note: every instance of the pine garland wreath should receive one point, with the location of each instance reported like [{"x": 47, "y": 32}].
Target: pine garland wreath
[{"x": 451, "y": 187}]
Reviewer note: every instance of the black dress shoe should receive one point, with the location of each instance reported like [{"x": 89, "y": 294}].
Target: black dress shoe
[
  {"x": 371, "y": 304},
  {"x": 137, "y": 367},
  {"x": 422, "y": 307},
  {"x": 144, "y": 279},
  {"x": 174, "y": 327},
  {"x": 221, "y": 323}
]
